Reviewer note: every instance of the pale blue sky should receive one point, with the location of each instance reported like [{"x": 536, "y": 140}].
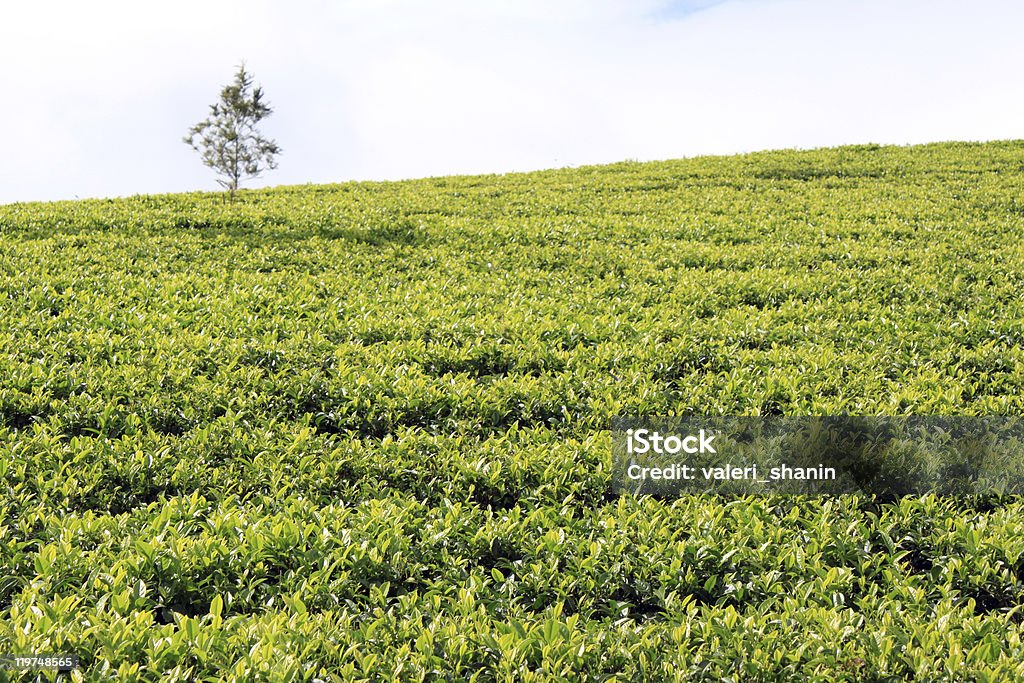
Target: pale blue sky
[{"x": 98, "y": 95}]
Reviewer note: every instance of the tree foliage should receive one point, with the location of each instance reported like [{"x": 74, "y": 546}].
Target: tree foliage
[{"x": 228, "y": 139}]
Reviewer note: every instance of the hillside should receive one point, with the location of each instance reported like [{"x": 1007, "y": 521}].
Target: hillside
[{"x": 361, "y": 431}]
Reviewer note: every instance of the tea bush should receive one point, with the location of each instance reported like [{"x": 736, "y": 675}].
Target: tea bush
[{"x": 360, "y": 431}]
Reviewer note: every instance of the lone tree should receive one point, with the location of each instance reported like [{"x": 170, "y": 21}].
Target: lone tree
[{"x": 228, "y": 140}]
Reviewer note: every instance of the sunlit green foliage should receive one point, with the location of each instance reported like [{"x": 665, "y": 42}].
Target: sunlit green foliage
[{"x": 361, "y": 431}]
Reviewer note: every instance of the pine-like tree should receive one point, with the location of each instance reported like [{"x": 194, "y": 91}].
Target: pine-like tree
[{"x": 228, "y": 140}]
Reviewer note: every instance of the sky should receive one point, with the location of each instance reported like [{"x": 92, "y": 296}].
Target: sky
[{"x": 97, "y": 96}]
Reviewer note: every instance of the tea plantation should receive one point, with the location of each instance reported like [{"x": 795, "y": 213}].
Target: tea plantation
[{"x": 361, "y": 431}]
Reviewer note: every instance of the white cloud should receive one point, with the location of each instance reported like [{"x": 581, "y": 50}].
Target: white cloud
[{"x": 99, "y": 94}]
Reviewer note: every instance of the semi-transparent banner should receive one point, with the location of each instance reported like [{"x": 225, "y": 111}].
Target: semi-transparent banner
[{"x": 887, "y": 456}]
